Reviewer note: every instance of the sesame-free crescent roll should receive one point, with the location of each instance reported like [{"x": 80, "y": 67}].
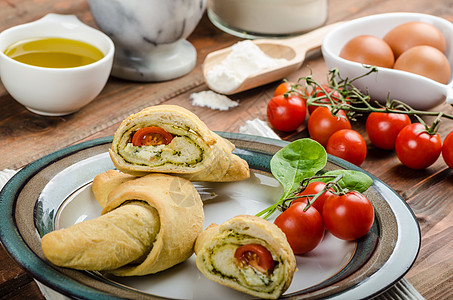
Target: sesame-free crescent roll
[
  {"x": 171, "y": 139},
  {"x": 148, "y": 224},
  {"x": 247, "y": 253}
]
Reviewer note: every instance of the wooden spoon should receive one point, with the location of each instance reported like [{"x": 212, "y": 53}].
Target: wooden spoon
[{"x": 293, "y": 49}]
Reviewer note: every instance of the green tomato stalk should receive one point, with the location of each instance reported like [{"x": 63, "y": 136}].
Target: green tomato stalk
[
  {"x": 354, "y": 102},
  {"x": 303, "y": 160}
]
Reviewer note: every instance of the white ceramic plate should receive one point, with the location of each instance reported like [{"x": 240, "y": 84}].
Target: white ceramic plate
[{"x": 55, "y": 192}]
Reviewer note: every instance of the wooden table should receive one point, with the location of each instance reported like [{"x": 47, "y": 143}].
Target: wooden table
[{"x": 25, "y": 136}]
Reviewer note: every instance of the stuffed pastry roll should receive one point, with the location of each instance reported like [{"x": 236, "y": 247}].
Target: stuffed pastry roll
[
  {"x": 105, "y": 182},
  {"x": 148, "y": 224},
  {"x": 171, "y": 139},
  {"x": 247, "y": 253}
]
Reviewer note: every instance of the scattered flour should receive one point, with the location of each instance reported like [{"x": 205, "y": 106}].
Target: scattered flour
[
  {"x": 245, "y": 59},
  {"x": 212, "y": 100}
]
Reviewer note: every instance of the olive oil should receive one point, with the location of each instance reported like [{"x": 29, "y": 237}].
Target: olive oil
[{"x": 54, "y": 52}]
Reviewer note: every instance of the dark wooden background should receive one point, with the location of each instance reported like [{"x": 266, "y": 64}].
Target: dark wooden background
[{"x": 25, "y": 136}]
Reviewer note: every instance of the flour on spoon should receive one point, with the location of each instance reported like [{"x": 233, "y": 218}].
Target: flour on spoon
[{"x": 245, "y": 59}]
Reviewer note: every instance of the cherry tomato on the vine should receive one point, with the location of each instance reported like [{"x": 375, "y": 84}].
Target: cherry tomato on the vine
[
  {"x": 313, "y": 188},
  {"x": 349, "y": 145},
  {"x": 348, "y": 216},
  {"x": 447, "y": 150},
  {"x": 286, "y": 113},
  {"x": 304, "y": 230},
  {"x": 318, "y": 92},
  {"x": 282, "y": 88},
  {"x": 322, "y": 124},
  {"x": 416, "y": 148},
  {"x": 383, "y": 128}
]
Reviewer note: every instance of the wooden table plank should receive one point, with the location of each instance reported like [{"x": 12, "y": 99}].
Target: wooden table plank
[{"x": 25, "y": 136}]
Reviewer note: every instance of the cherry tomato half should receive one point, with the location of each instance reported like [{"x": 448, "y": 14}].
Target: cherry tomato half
[
  {"x": 304, "y": 230},
  {"x": 151, "y": 136},
  {"x": 417, "y": 149},
  {"x": 349, "y": 145},
  {"x": 313, "y": 188},
  {"x": 383, "y": 128},
  {"x": 257, "y": 256},
  {"x": 349, "y": 216},
  {"x": 322, "y": 124},
  {"x": 286, "y": 113},
  {"x": 447, "y": 150}
]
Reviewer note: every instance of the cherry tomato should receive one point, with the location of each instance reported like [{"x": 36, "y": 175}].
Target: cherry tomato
[
  {"x": 255, "y": 255},
  {"x": 348, "y": 216},
  {"x": 382, "y": 128},
  {"x": 151, "y": 136},
  {"x": 282, "y": 88},
  {"x": 313, "y": 188},
  {"x": 322, "y": 124},
  {"x": 318, "y": 92},
  {"x": 417, "y": 149},
  {"x": 447, "y": 150},
  {"x": 349, "y": 145},
  {"x": 304, "y": 230},
  {"x": 286, "y": 113}
]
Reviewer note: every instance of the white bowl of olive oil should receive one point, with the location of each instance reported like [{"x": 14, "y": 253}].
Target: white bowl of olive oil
[{"x": 56, "y": 65}]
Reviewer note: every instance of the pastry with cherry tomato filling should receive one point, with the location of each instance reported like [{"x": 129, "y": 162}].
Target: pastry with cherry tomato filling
[
  {"x": 248, "y": 254},
  {"x": 171, "y": 139}
]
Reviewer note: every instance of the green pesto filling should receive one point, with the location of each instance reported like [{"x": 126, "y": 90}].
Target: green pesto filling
[
  {"x": 268, "y": 283},
  {"x": 157, "y": 151}
]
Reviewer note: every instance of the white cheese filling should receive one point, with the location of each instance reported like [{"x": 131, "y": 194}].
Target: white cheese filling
[
  {"x": 222, "y": 259},
  {"x": 181, "y": 150}
]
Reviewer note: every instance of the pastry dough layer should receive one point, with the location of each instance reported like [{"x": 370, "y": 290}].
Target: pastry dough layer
[
  {"x": 181, "y": 217},
  {"x": 105, "y": 183},
  {"x": 216, "y": 246},
  {"x": 105, "y": 243},
  {"x": 148, "y": 224},
  {"x": 195, "y": 152}
]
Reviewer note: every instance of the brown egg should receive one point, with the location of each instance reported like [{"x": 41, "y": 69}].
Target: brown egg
[
  {"x": 368, "y": 50},
  {"x": 412, "y": 34},
  {"x": 426, "y": 61}
]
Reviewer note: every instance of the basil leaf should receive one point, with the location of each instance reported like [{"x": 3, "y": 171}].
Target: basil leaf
[
  {"x": 296, "y": 161},
  {"x": 351, "y": 180}
]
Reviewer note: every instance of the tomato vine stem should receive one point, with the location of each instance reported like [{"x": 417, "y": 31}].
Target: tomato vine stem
[
  {"x": 343, "y": 95},
  {"x": 285, "y": 203}
]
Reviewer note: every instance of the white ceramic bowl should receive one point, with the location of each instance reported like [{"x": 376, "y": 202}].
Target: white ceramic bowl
[
  {"x": 267, "y": 18},
  {"x": 55, "y": 91},
  {"x": 417, "y": 91}
]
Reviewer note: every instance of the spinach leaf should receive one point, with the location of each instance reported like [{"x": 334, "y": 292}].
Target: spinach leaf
[
  {"x": 351, "y": 180},
  {"x": 296, "y": 161}
]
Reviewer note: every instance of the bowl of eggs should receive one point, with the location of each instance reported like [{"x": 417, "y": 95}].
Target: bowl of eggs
[{"x": 413, "y": 54}]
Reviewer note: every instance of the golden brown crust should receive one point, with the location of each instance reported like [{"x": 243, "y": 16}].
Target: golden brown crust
[
  {"x": 247, "y": 229},
  {"x": 105, "y": 243},
  {"x": 148, "y": 224},
  {"x": 181, "y": 217},
  {"x": 210, "y": 158},
  {"x": 105, "y": 182}
]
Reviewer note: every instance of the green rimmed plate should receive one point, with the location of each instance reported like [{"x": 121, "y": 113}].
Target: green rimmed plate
[{"x": 54, "y": 192}]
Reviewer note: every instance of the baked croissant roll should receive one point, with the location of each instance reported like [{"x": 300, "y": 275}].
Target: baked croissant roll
[
  {"x": 247, "y": 253},
  {"x": 148, "y": 224},
  {"x": 106, "y": 182},
  {"x": 171, "y": 139}
]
